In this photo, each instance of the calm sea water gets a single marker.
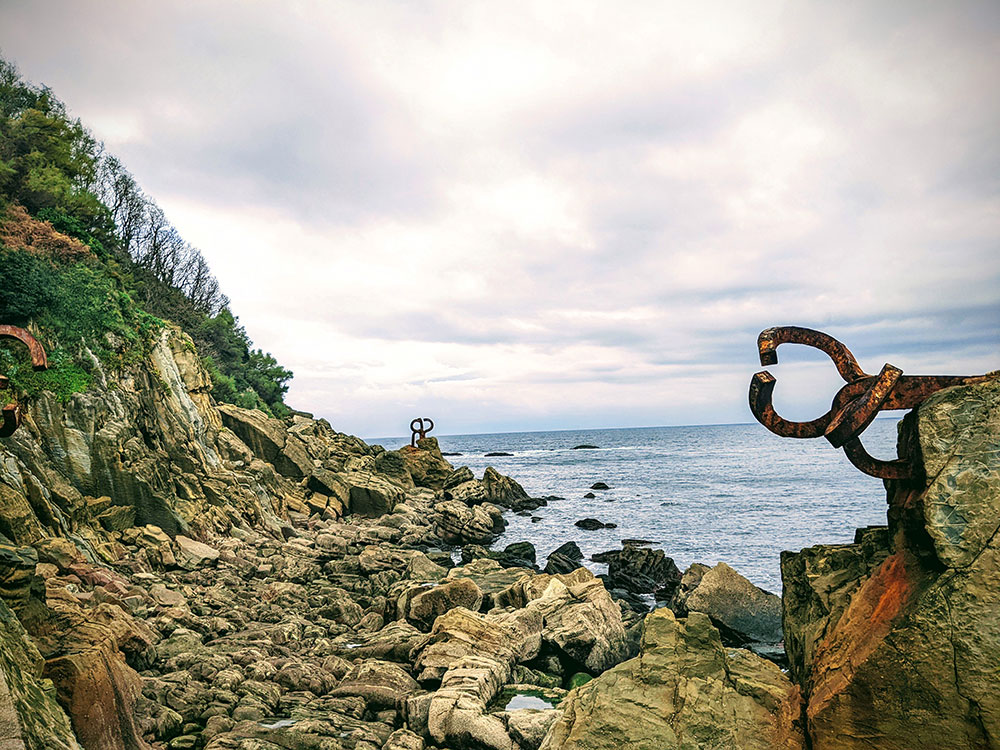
(732, 493)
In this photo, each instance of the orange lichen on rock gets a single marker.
(870, 617)
(19, 231)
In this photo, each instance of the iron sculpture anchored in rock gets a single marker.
(419, 430)
(12, 411)
(855, 405)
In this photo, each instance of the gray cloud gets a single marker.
(559, 216)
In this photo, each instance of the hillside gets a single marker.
(92, 265)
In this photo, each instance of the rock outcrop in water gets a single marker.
(895, 640)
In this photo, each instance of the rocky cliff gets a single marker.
(895, 639)
(181, 574)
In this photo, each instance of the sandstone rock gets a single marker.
(371, 495)
(425, 607)
(381, 684)
(471, 492)
(425, 464)
(500, 489)
(192, 554)
(910, 660)
(684, 690)
(743, 612)
(457, 523)
(404, 739)
(30, 717)
(528, 726)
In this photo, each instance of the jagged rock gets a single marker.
(372, 496)
(426, 605)
(684, 690)
(910, 660)
(394, 642)
(641, 570)
(470, 492)
(500, 489)
(579, 617)
(30, 717)
(456, 523)
(818, 584)
(461, 475)
(528, 726)
(557, 563)
(192, 554)
(268, 439)
(425, 464)
(460, 633)
(381, 684)
(743, 612)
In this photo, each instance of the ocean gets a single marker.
(731, 493)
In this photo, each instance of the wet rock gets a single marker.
(599, 486)
(494, 454)
(641, 570)
(584, 446)
(559, 563)
(684, 690)
(590, 495)
(592, 524)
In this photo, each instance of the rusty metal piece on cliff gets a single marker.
(12, 411)
(419, 430)
(854, 406)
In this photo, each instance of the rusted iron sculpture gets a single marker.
(12, 411)
(419, 430)
(854, 406)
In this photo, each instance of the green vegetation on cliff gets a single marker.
(93, 266)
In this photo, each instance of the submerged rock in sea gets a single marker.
(895, 639)
(684, 690)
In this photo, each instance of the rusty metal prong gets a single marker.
(761, 390)
(899, 468)
(857, 414)
(771, 338)
(11, 420)
(38, 359)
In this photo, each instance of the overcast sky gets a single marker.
(545, 215)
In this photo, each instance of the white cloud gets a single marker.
(559, 214)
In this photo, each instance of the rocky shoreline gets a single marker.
(180, 574)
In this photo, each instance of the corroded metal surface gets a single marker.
(12, 411)
(420, 427)
(855, 405)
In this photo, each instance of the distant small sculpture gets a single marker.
(419, 430)
(12, 411)
(854, 406)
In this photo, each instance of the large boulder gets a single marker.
(428, 603)
(268, 439)
(580, 619)
(500, 489)
(424, 463)
(743, 612)
(381, 684)
(898, 648)
(684, 690)
(641, 570)
(457, 523)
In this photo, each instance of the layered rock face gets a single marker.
(895, 640)
(684, 690)
(170, 567)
